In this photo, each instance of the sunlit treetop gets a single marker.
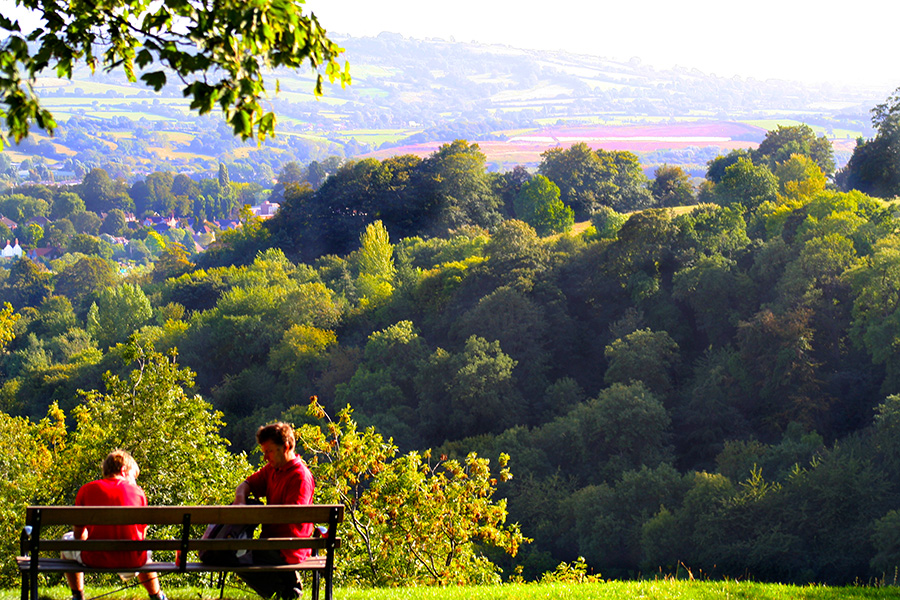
(219, 51)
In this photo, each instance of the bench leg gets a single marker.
(222, 577)
(315, 585)
(24, 586)
(329, 589)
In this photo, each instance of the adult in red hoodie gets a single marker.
(285, 479)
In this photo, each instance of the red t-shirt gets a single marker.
(291, 484)
(113, 491)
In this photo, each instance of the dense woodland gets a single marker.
(705, 377)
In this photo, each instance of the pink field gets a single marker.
(527, 148)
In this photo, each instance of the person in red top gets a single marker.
(117, 488)
(285, 479)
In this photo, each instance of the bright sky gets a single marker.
(849, 42)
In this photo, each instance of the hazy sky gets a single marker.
(847, 42)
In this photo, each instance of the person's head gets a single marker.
(120, 462)
(280, 434)
(277, 443)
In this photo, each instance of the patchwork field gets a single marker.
(527, 146)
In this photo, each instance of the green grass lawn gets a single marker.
(665, 589)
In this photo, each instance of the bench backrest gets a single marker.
(38, 517)
(175, 515)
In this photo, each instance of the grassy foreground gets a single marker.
(615, 590)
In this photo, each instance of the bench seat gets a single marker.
(61, 565)
(41, 555)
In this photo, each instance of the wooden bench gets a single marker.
(191, 521)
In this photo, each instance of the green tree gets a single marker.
(300, 350)
(455, 184)
(646, 356)
(26, 465)
(65, 204)
(876, 308)
(538, 204)
(718, 294)
(577, 173)
(518, 323)
(625, 187)
(409, 518)
(189, 42)
(173, 435)
(376, 264)
(59, 232)
(671, 187)
(86, 222)
(27, 285)
(101, 193)
(172, 262)
(8, 320)
(153, 193)
(785, 141)
(711, 229)
(22, 208)
(383, 386)
(588, 179)
(79, 281)
(117, 313)
(31, 235)
(55, 317)
(872, 169)
(114, 223)
(89, 245)
(607, 222)
(716, 167)
(800, 178)
(468, 393)
(514, 250)
(156, 243)
(624, 428)
(747, 184)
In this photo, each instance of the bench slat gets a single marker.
(60, 565)
(173, 544)
(173, 515)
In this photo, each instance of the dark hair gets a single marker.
(280, 434)
(117, 462)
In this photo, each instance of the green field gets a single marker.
(772, 124)
(375, 136)
(663, 589)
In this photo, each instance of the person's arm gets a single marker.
(80, 531)
(241, 493)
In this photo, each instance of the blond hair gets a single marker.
(119, 462)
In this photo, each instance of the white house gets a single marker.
(10, 251)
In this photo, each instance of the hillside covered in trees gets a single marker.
(702, 377)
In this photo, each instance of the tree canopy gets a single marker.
(220, 53)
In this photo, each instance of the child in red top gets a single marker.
(117, 488)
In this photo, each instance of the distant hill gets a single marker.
(411, 95)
